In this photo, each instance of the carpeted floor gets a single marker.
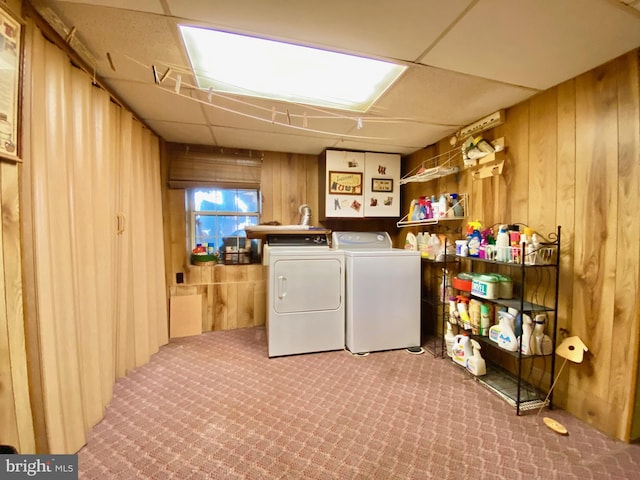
(215, 406)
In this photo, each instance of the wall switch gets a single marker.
(179, 277)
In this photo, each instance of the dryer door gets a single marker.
(306, 285)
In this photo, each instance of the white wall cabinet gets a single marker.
(359, 184)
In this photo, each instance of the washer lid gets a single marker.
(361, 241)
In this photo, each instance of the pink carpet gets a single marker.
(216, 407)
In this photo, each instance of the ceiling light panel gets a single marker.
(238, 64)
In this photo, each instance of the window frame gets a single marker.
(191, 211)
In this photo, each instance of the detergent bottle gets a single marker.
(474, 238)
(449, 339)
(485, 319)
(527, 343)
(474, 315)
(461, 305)
(502, 245)
(454, 315)
(461, 349)
(476, 364)
(503, 333)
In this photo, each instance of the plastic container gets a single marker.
(461, 349)
(485, 286)
(485, 319)
(462, 248)
(476, 364)
(505, 285)
(449, 339)
(463, 281)
(503, 249)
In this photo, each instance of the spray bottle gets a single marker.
(461, 305)
(449, 339)
(527, 344)
(503, 333)
(476, 364)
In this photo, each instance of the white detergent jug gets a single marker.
(461, 349)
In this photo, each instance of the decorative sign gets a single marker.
(10, 55)
(382, 185)
(345, 183)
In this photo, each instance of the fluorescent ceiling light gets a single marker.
(232, 63)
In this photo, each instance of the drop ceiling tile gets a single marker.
(151, 6)
(182, 132)
(433, 95)
(275, 142)
(151, 102)
(513, 42)
(130, 37)
(402, 29)
(259, 114)
(394, 137)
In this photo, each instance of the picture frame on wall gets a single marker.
(11, 40)
(345, 183)
(382, 185)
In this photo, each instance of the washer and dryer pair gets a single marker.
(361, 294)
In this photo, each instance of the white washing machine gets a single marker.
(306, 296)
(383, 292)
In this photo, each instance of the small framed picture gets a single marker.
(10, 78)
(345, 183)
(382, 185)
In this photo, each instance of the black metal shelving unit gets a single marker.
(434, 309)
(512, 387)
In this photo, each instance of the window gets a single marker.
(218, 216)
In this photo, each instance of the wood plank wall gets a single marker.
(234, 296)
(573, 159)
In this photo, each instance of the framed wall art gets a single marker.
(10, 84)
(345, 183)
(382, 185)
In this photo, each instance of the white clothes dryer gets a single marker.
(306, 299)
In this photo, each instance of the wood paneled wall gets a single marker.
(234, 296)
(573, 159)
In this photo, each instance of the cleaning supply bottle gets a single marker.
(428, 209)
(448, 339)
(435, 206)
(454, 315)
(442, 205)
(476, 364)
(502, 245)
(527, 344)
(485, 319)
(415, 210)
(538, 333)
(457, 207)
(461, 349)
(474, 237)
(461, 305)
(503, 334)
(474, 315)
